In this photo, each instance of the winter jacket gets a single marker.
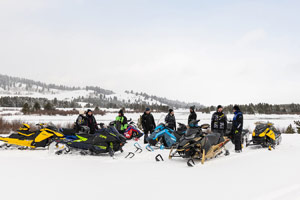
(192, 116)
(237, 123)
(80, 122)
(92, 123)
(171, 121)
(121, 123)
(219, 122)
(148, 122)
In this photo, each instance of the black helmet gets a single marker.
(121, 112)
(192, 107)
(89, 110)
(236, 107)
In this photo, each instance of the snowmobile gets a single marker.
(266, 135)
(196, 144)
(181, 130)
(245, 134)
(105, 140)
(24, 138)
(72, 133)
(133, 131)
(164, 137)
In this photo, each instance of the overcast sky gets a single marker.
(212, 52)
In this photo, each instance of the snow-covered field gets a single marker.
(256, 174)
(281, 121)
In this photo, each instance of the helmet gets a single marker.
(81, 112)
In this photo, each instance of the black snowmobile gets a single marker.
(266, 135)
(181, 130)
(105, 140)
(196, 144)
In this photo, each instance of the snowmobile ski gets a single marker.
(138, 148)
(130, 155)
(149, 148)
(190, 163)
(159, 158)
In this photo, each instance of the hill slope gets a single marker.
(93, 95)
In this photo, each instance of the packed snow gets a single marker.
(255, 174)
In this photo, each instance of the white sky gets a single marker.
(216, 52)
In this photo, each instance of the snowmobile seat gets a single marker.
(22, 134)
(68, 131)
(215, 138)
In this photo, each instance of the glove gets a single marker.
(236, 132)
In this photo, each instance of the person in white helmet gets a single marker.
(81, 121)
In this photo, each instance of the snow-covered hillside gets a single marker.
(38, 92)
(18, 87)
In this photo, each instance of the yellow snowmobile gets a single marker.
(24, 138)
(266, 135)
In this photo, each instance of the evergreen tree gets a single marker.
(48, 106)
(55, 102)
(36, 106)
(97, 108)
(25, 109)
(298, 126)
(290, 129)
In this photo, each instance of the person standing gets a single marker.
(237, 127)
(121, 122)
(148, 124)
(193, 115)
(91, 121)
(219, 121)
(170, 120)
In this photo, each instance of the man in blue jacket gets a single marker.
(237, 127)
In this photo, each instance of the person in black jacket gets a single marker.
(91, 121)
(148, 124)
(170, 120)
(219, 121)
(193, 115)
(237, 127)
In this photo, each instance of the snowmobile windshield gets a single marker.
(51, 126)
(260, 128)
(159, 128)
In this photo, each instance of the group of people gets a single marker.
(218, 123)
(87, 120)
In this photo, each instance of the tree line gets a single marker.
(260, 108)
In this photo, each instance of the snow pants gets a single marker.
(238, 141)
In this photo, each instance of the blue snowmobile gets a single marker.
(164, 137)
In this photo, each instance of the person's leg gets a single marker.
(238, 141)
(146, 136)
